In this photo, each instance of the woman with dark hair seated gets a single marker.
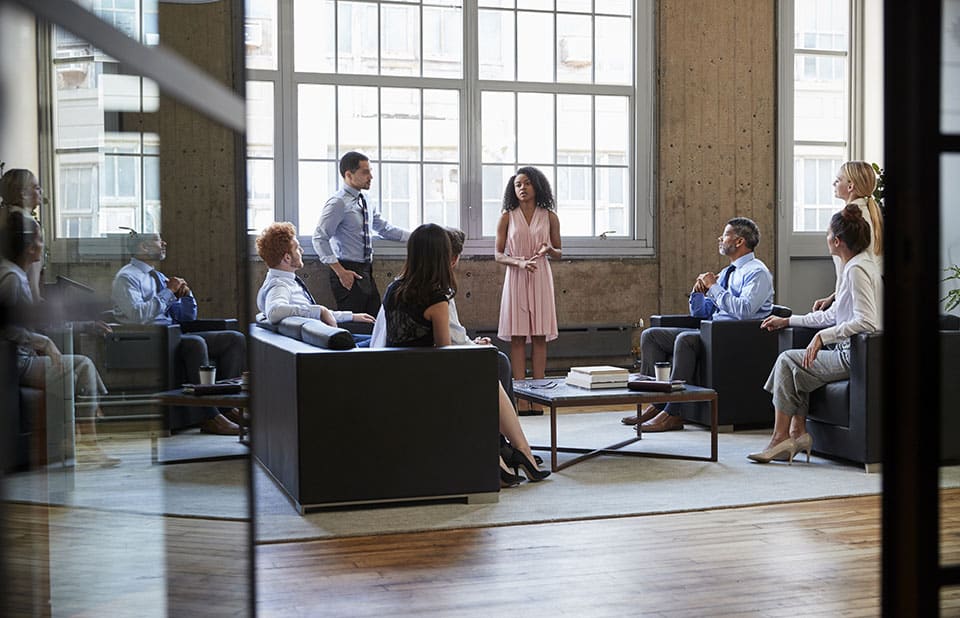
(858, 308)
(417, 313)
(39, 362)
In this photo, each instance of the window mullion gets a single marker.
(471, 171)
(286, 147)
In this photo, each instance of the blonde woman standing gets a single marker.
(855, 183)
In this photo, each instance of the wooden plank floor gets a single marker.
(819, 558)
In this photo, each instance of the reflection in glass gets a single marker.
(441, 125)
(613, 216)
(498, 127)
(400, 194)
(535, 128)
(442, 42)
(814, 169)
(950, 68)
(614, 7)
(574, 48)
(613, 124)
(315, 121)
(574, 194)
(441, 194)
(820, 98)
(534, 47)
(260, 33)
(260, 194)
(495, 179)
(313, 36)
(574, 129)
(821, 25)
(614, 51)
(495, 29)
(318, 181)
(949, 217)
(399, 40)
(357, 37)
(400, 124)
(259, 119)
(357, 120)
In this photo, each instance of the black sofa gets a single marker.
(845, 418)
(344, 427)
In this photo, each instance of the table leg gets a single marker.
(553, 438)
(714, 417)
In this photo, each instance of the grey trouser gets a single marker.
(680, 346)
(76, 374)
(791, 383)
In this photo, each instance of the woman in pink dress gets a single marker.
(527, 234)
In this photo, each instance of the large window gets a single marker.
(104, 176)
(447, 103)
(821, 107)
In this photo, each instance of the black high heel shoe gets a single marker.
(529, 469)
(506, 452)
(507, 479)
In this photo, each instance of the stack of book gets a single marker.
(598, 376)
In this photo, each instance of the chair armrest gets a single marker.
(796, 337)
(196, 326)
(675, 321)
(781, 311)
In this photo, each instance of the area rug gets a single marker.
(606, 486)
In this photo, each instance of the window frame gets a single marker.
(641, 110)
(810, 244)
(64, 249)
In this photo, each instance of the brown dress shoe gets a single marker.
(662, 422)
(235, 416)
(649, 411)
(219, 425)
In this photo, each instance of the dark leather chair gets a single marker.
(736, 360)
(144, 357)
(845, 417)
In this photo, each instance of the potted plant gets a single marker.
(952, 300)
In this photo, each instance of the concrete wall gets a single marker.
(716, 160)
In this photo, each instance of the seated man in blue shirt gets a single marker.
(143, 295)
(742, 291)
(283, 294)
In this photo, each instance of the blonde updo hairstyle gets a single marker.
(864, 180)
(13, 184)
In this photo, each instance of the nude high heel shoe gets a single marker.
(783, 449)
(804, 443)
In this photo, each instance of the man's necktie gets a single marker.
(367, 247)
(303, 286)
(157, 280)
(726, 276)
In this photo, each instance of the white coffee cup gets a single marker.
(208, 374)
(663, 371)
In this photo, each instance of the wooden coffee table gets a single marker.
(554, 393)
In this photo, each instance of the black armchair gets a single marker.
(845, 418)
(142, 359)
(736, 360)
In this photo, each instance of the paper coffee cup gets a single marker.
(208, 374)
(663, 371)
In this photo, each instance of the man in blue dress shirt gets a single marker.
(742, 291)
(343, 238)
(142, 294)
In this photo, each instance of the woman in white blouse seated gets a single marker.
(283, 294)
(857, 309)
